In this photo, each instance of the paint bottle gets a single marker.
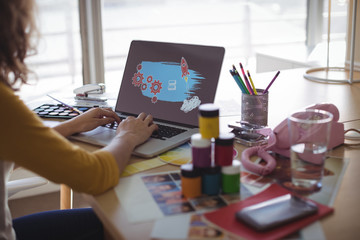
(230, 177)
(211, 180)
(201, 151)
(209, 120)
(190, 181)
(224, 148)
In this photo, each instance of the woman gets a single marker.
(24, 140)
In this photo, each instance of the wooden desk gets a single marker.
(290, 92)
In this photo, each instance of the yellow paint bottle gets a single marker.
(209, 120)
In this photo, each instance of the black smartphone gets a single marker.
(276, 212)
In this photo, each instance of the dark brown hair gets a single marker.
(17, 25)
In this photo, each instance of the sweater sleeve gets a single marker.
(27, 142)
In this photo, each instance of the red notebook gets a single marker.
(225, 217)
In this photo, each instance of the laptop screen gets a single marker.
(169, 80)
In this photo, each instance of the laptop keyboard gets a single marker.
(162, 133)
(166, 132)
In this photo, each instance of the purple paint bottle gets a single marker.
(201, 151)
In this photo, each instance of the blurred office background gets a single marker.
(254, 32)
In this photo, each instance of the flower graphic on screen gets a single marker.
(169, 82)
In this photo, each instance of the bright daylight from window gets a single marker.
(241, 26)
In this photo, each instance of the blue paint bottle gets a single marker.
(211, 180)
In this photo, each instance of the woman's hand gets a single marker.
(130, 133)
(137, 130)
(87, 121)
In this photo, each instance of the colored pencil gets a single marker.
(272, 81)
(66, 105)
(252, 83)
(246, 80)
(237, 81)
(240, 79)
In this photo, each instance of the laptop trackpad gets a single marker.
(99, 134)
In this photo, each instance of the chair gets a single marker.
(16, 186)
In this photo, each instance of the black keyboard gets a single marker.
(162, 133)
(166, 132)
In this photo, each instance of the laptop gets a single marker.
(168, 81)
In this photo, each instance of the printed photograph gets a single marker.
(208, 203)
(171, 209)
(201, 230)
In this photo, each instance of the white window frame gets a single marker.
(91, 41)
(314, 18)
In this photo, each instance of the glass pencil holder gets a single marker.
(254, 108)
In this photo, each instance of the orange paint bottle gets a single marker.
(190, 181)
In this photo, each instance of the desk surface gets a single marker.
(290, 92)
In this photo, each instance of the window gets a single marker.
(338, 19)
(240, 26)
(58, 61)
